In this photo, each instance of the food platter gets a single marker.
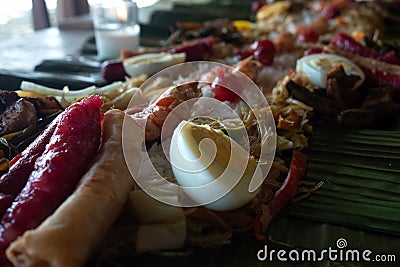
(350, 192)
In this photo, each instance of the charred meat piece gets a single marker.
(356, 117)
(45, 105)
(375, 96)
(378, 108)
(338, 84)
(22, 121)
(382, 114)
(17, 116)
(6, 99)
(325, 107)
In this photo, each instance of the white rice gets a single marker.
(270, 75)
(155, 163)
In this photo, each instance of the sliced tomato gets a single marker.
(227, 86)
(224, 94)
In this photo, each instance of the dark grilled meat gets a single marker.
(378, 108)
(45, 105)
(324, 106)
(17, 116)
(338, 85)
(6, 99)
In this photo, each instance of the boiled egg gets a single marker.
(315, 68)
(212, 169)
(151, 63)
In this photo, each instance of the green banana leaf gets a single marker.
(362, 173)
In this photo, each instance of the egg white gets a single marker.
(205, 179)
(314, 68)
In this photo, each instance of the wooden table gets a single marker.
(25, 52)
(19, 56)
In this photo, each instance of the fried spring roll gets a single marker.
(72, 233)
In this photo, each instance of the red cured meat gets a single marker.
(56, 172)
(347, 43)
(12, 182)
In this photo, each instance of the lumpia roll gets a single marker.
(69, 236)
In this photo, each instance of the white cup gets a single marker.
(116, 28)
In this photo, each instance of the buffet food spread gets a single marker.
(67, 192)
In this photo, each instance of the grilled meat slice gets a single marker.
(17, 116)
(325, 107)
(45, 105)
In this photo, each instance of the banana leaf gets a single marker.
(362, 188)
(359, 201)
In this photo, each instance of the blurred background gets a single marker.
(19, 17)
(16, 17)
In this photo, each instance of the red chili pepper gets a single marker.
(287, 191)
(56, 172)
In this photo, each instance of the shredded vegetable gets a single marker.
(117, 93)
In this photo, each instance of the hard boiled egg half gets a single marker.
(212, 168)
(315, 68)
